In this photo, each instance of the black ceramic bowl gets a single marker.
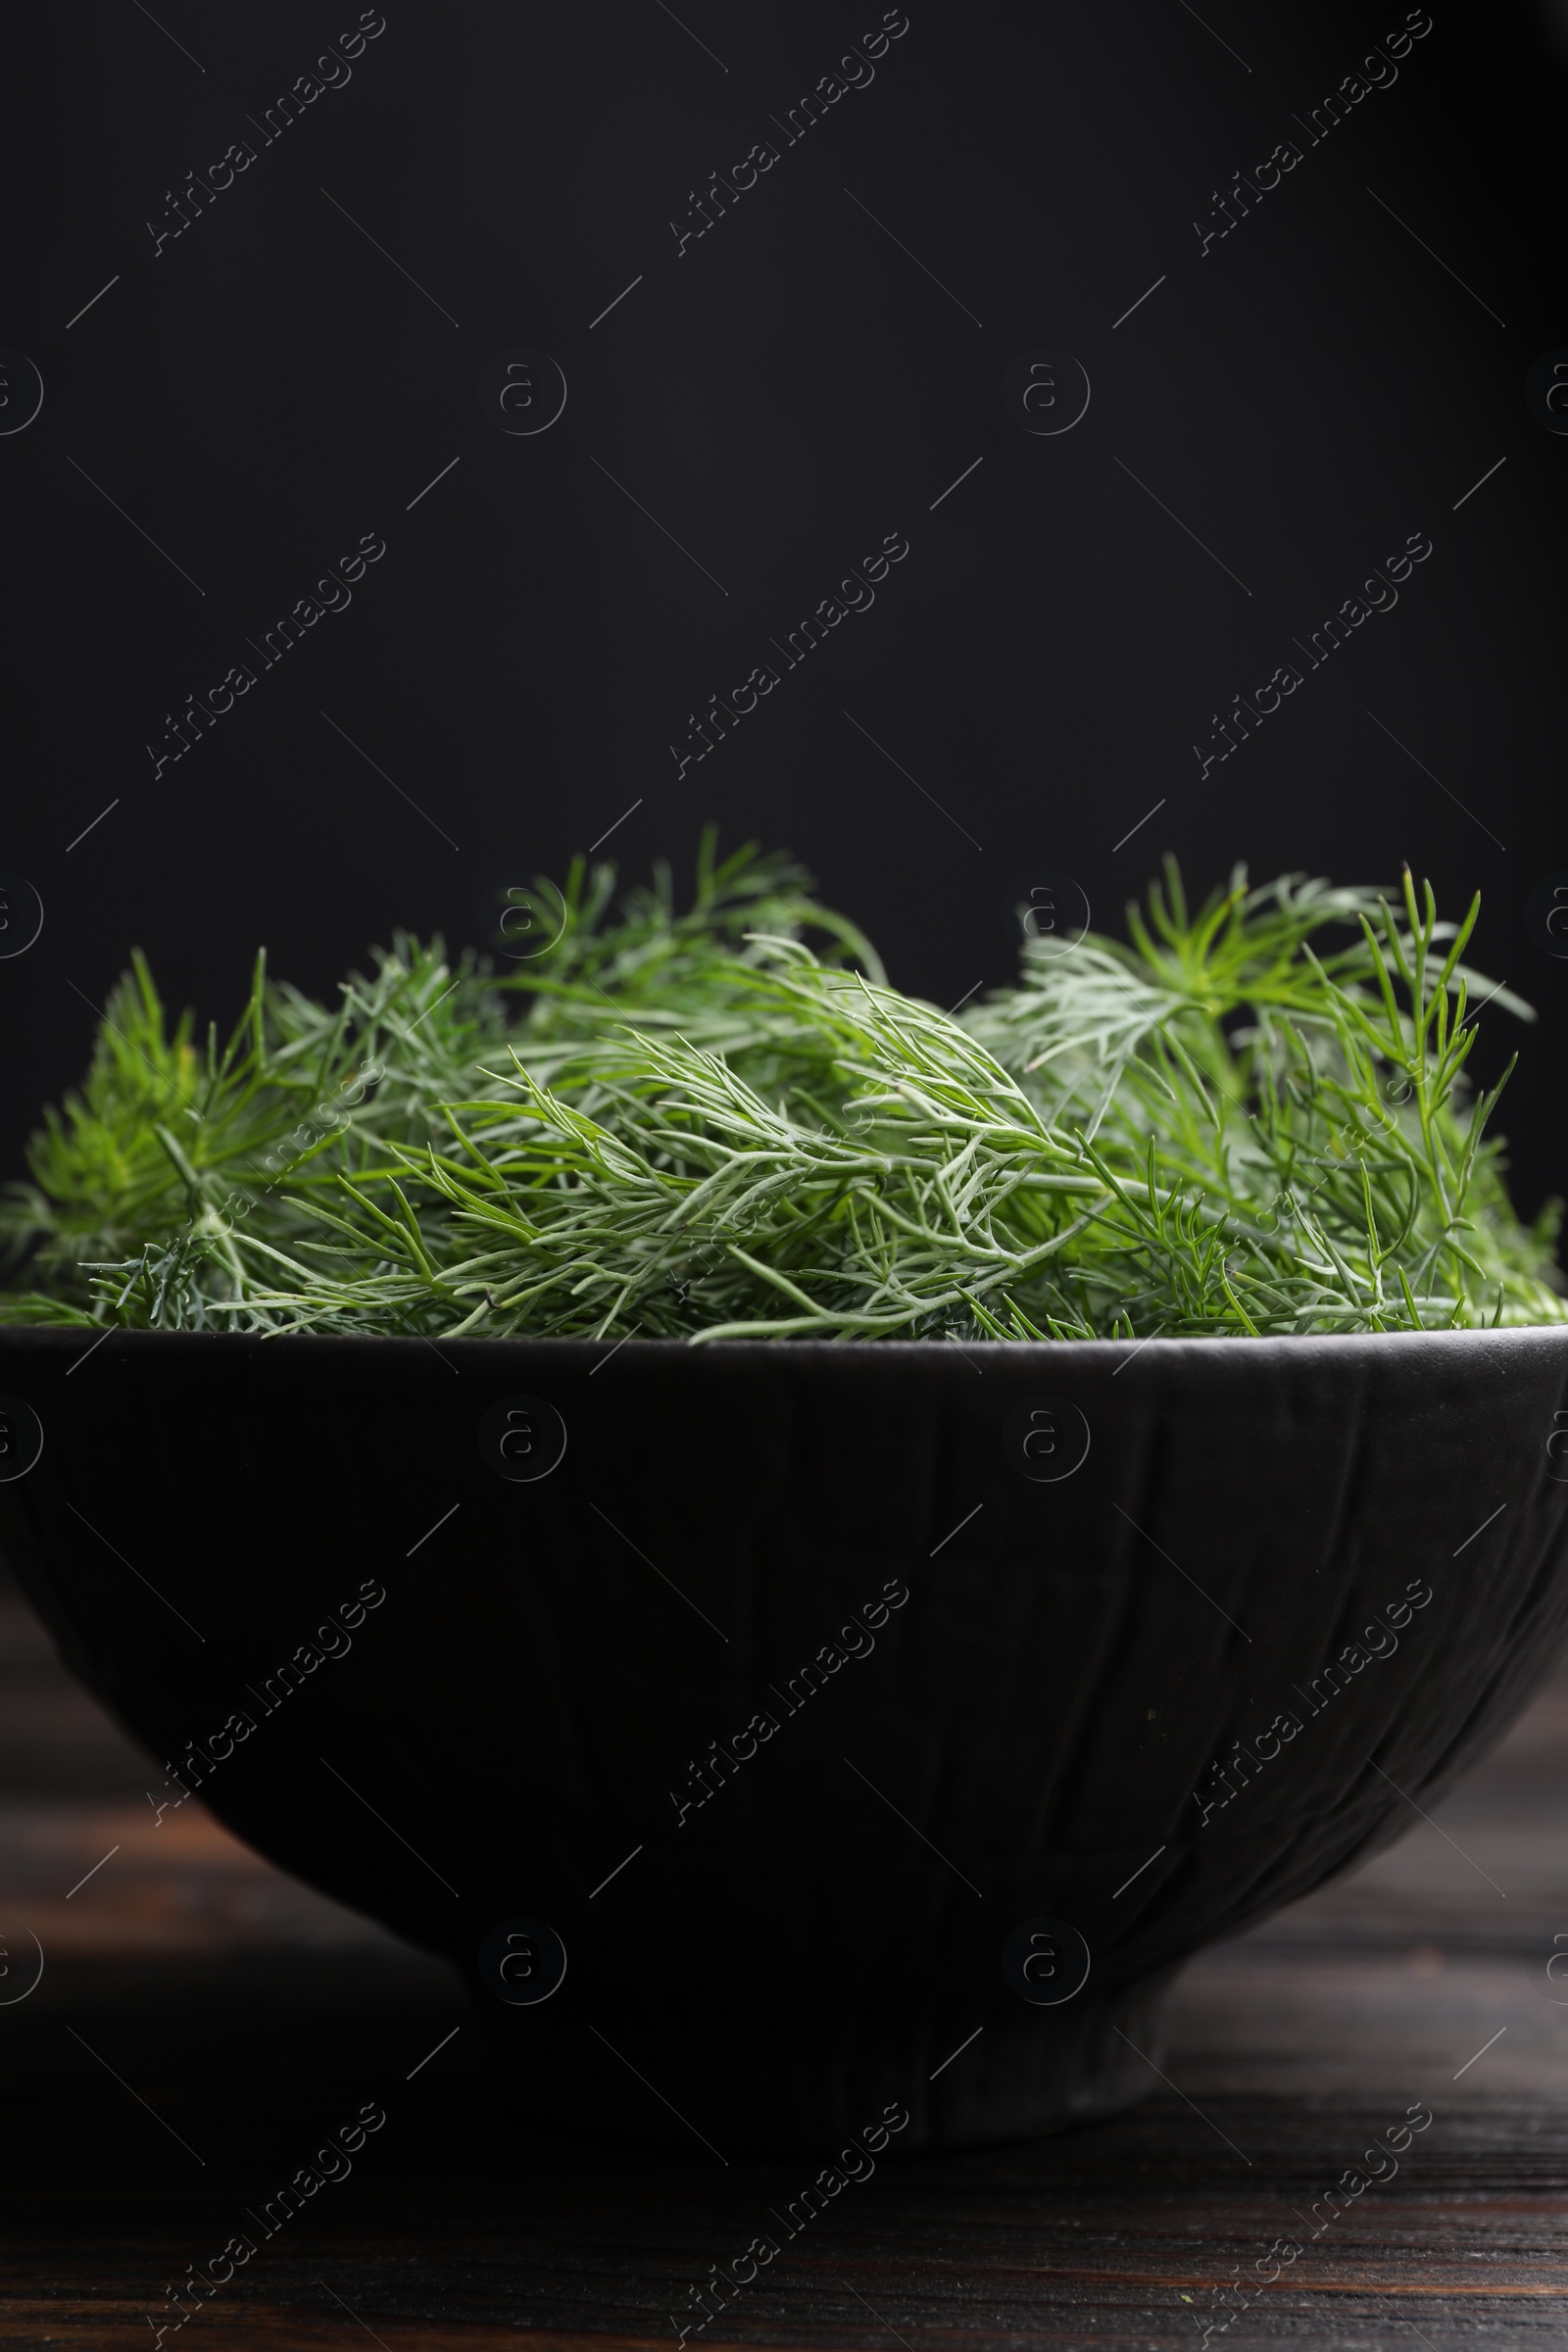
(822, 1710)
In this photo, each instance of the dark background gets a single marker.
(780, 396)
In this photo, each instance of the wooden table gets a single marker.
(202, 2023)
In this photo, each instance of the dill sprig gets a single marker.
(1249, 1118)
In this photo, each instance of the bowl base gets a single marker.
(1027, 2074)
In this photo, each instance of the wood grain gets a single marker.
(201, 2024)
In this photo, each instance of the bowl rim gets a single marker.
(1164, 1347)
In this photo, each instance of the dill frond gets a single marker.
(1249, 1118)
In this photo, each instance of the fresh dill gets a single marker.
(1248, 1118)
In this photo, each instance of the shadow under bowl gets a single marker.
(867, 1730)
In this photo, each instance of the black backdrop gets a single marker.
(749, 415)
